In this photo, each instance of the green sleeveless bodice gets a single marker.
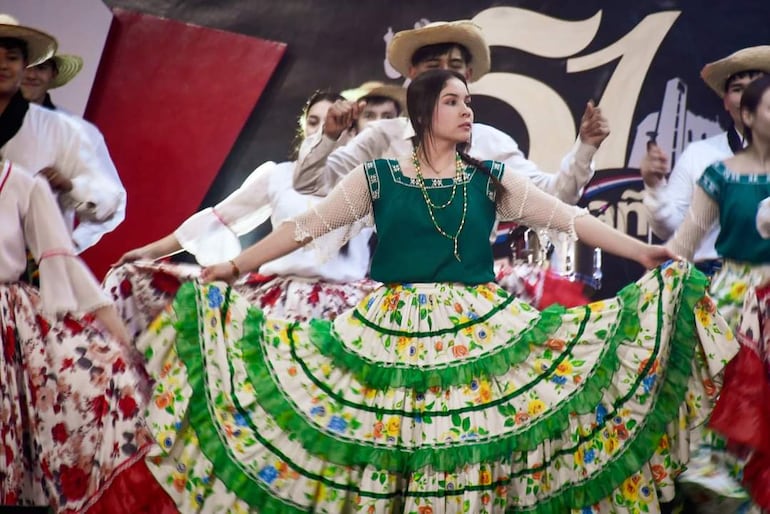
(410, 248)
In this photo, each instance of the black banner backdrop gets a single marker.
(640, 60)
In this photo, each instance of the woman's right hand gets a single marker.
(144, 252)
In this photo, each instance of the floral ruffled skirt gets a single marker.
(143, 289)
(72, 433)
(434, 398)
(742, 413)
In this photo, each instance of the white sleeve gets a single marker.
(667, 204)
(66, 284)
(567, 184)
(211, 235)
(323, 162)
(701, 215)
(97, 195)
(88, 232)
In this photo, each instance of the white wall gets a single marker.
(81, 28)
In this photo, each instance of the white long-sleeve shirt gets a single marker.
(667, 204)
(51, 139)
(211, 235)
(323, 162)
(31, 219)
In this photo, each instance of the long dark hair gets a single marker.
(421, 100)
(299, 136)
(751, 98)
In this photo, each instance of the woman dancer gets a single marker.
(319, 282)
(71, 424)
(438, 392)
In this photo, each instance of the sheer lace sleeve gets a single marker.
(704, 211)
(339, 217)
(523, 202)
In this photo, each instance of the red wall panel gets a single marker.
(171, 99)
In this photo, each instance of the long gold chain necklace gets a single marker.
(459, 177)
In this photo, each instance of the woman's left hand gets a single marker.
(655, 255)
(222, 271)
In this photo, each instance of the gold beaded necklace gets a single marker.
(459, 177)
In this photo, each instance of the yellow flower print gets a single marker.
(326, 369)
(611, 444)
(564, 368)
(541, 365)
(485, 477)
(704, 318)
(578, 456)
(535, 407)
(596, 306)
(402, 343)
(485, 292)
(485, 393)
(394, 426)
(630, 487)
(737, 290)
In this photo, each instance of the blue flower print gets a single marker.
(558, 379)
(601, 413)
(589, 456)
(318, 411)
(240, 420)
(215, 297)
(649, 382)
(422, 298)
(268, 474)
(337, 424)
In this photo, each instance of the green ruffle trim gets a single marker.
(597, 487)
(379, 375)
(209, 438)
(672, 394)
(347, 452)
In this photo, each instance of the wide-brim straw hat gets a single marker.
(716, 73)
(376, 88)
(40, 46)
(463, 32)
(68, 67)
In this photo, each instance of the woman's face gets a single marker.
(315, 118)
(453, 116)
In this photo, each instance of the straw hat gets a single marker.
(376, 88)
(40, 46)
(464, 32)
(716, 73)
(68, 65)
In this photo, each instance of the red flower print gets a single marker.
(9, 343)
(126, 288)
(119, 366)
(100, 406)
(271, 296)
(43, 324)
(165, 282)
(59, 433)
(73, 325)
(555, 344)
(658, 472)
(711, 389)
(127, 406)
(8, 454)
(74, 482)
(314, 296)
(67, 364)
(425, 509)
(460, 350)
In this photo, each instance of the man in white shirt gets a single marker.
(38, 81)
(459, 46)
(667, 198)
(49, 143)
